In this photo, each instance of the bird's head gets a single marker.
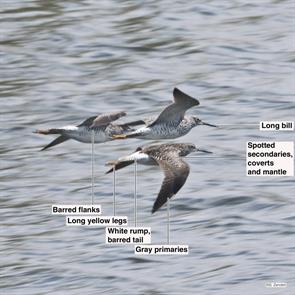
(187, 148)
(139, 149)
(191, 148)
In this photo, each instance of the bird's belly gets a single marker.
(86, 136)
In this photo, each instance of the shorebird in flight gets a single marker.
(168, 157)
(102, 125)
(171, 123)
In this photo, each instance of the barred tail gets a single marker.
(118, 165)
(49, 131)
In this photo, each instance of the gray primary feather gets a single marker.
(175, 178)
(175, 170)
(106, 119)
(88, 122)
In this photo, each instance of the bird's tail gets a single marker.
(118, 165)
(49, 131)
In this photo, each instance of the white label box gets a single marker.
(270, 158)
(276, 126)
(161, 249)
(76, 209)
(96, 221)
(128, 235)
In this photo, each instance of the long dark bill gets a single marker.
(204, 151)
(207, 124)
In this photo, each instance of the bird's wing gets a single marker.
(176, 172)
(145, 121)
(88, 122)
(175, 111)
(103, 119)
(106, 119)
(184, 99)
(57, 141)
(133, 123)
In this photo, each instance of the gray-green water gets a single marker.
(62, 61)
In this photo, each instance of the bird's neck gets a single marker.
(190, 121)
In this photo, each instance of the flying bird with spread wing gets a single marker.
(102, 125)
(171, 123)
(169, 158)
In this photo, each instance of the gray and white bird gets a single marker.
(102, 125)
(168, 157)
(171, 123)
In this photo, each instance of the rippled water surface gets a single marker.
(62, 61)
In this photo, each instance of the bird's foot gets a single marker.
(119, 136)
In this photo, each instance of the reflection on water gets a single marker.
(62, 61)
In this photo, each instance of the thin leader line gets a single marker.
(114, 191)
(92, 167)
(216, 157)
(135, 193)
(237, 124)
(168, 221)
